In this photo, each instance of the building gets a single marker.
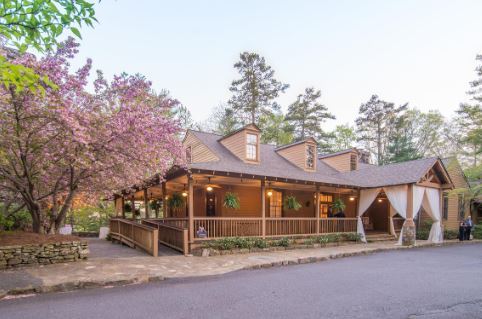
(266, 181)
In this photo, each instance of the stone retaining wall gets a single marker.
(52, 253)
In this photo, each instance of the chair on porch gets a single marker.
(367, 223)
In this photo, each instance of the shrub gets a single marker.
(422, 234)
(352, 236)
(283, 242)
(451, 234)
(260, 243)
(477, 232)
(21, 220)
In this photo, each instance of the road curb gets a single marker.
(87, 284)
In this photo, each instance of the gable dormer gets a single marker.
(302, 154)
(244, 143)
(196, 151)
(342, 161)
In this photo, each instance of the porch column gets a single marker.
(408, 230)
(146, 203)
(263, 208)
(164, 201)
(133, 207)
(123, 208)
(317, 209)
(190, 194)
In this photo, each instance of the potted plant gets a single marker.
(291, 202)
(338, 206)
(231, 200)
(155, 205)
(175, 202)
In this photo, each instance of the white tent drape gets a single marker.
(393, 212)
(397, 196)
(418, 193)
(367, 196)
(431, 204)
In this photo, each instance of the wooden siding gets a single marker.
(458, 179)
(236, 144)
(296, 154)
(340, 162)
(199, 151)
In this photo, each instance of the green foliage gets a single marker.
(39, 23)
(231, 200)
(332, 238)
(451, 234)
(175, 201)
(155, 204)
(477, 231)
(254, 92)
(127, 207)
(291, 202)
(275, 129)
(344, 137)
(474, 173)
(283, 242)
(91, 218)
(422, 234)
(306, 115)
(20, 220)
(338, 205)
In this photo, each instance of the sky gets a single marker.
(421, 52)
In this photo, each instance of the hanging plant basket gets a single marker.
(231, 200)
(155, 204)
(175, 201)
(127, 207)
(291, 202)
(338, 205)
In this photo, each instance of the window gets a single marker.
(445, 206)
(353, 162)
(461, 202)
(325, 202)
(275, 204)
(252, 147)
(189, 154)
(310, 156)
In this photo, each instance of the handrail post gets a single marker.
(191, 208)
(146, 203)
(263, 209)
(155, 243)
(317, 210)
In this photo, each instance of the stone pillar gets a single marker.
(408, 230)
(146, 203)
(190, 194)
(317, 209)
(263, 208)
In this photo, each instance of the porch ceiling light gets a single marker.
(380, 200)
(352, 198)
(184, 194)
(209, 188)
(269, 193)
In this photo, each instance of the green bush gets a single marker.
(91, 218)
(477, 231)
(21, 220)
(283, 242)
(451, 234)
(422, 234)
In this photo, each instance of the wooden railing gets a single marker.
(176, 222)
(218, 227)
(284, 226)
(338, 225)
(171, 236)
(135, 235)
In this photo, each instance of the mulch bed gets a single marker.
(25, 238)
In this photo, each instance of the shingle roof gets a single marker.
(391, 174)
(337, 153)
(273, 165)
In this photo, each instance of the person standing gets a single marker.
(468, 227)
(462, 231)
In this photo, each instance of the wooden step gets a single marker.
(380, 237)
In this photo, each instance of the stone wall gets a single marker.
(51, 253)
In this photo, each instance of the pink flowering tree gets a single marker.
(66, 140)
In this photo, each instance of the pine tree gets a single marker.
(254, 93)
(375, 126)
(469, 119)
(276, 130)
(306, 115)
(343, 137)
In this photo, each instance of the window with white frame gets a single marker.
(252, 146)
(310, 156)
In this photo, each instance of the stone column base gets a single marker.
(408, 233)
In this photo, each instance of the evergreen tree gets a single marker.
(469, 119)
(183, 116)
(375, 126)
(401, 146)
(343, 137)
(276, 130)
(306, 115)
(254, 93)
(222, 120)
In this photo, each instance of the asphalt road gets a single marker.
(418, 283)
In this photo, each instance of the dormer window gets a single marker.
(189, 154)
(310, 156)
(251, 147)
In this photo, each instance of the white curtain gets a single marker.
(367, 196)
(431, 204)
(397, 196)
(393, 212)
(418, 194)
